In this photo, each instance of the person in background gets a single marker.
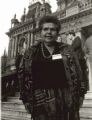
(51, 76)
(76, 44)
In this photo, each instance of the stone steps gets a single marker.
(14, 109)
(10, 113)
(13, 105)
(87, 101)
(86, 110)
(10, 117)
(86, 117)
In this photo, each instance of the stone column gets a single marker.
(89, 63)
(9, 48)
(15, 46)
(88, 46)
(12, 50)
(28, 43)
(89, 93)
(14, 39)
(32, 38)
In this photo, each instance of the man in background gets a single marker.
(76, 44)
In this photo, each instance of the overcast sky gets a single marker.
(7, 10)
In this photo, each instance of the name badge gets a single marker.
(57, 56)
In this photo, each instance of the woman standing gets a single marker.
(50, 76)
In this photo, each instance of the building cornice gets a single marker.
(76, 21)
(21, 27)
(75, 16)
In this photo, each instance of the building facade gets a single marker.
(73, 15)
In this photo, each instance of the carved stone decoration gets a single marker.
(71, 25)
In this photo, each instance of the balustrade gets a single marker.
(85, 6)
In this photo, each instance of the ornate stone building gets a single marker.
(22, 35)
(73, 14)
(76, 15)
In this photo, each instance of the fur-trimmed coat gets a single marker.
(76, 83)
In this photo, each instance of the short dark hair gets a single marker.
(72, 32)
(48, 19)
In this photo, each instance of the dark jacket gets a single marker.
(73, 73)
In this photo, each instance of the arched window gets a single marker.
(22, 46)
